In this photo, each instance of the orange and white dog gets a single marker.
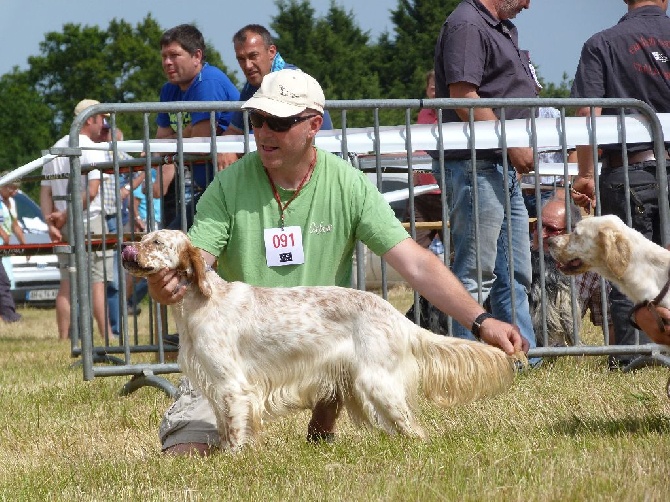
(260, 353)
(638, 267)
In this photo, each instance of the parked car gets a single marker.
(395, 187)
(36, 278)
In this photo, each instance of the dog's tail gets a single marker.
(456, 371)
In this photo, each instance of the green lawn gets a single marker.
(570, 430)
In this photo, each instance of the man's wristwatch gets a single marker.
(477, 324)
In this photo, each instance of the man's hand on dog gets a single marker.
(647, 321)
(503, 335)
(165, 288)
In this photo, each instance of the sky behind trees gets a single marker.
(552, 30)
(107, 53)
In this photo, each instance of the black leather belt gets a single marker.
(483, 155)
(615, 159)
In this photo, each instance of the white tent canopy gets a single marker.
(487, 135)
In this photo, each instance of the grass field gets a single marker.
(569, 430)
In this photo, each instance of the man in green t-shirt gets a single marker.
(289, 215)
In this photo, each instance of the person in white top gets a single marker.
(9, 224)
(54, 211)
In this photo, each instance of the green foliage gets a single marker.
(409, 54)
(26, 126)
(333, 49)
(570, 430)
(404, 57)
(28, 118)
(121, 64)
(551, 90)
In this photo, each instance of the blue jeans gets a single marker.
(7, 307)
(494, 250)
(113, 283)
(140, 291)
(176, 223)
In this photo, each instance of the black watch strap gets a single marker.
(477, 324)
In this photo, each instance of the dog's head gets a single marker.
(599, 243)
(169, 249)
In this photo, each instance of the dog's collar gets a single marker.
(651, 306)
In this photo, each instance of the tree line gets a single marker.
(121, 64)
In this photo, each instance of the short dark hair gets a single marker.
(186, 35)
(242, 34)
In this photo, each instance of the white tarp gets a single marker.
(487, 135)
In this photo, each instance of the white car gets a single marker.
(395, 187)
(36, 278)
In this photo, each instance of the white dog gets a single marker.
(260, 353)
(605, 244)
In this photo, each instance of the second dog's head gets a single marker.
(598, 243)
(169, 249)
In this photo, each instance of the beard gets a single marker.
(509, 9)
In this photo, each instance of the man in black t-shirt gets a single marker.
(477, 56)
(628, 60)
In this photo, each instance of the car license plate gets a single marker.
(39, 295)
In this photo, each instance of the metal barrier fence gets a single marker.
(141, 352)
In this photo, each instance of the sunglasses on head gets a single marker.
(276, 124)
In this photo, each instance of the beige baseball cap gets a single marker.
(285, 93)
(86, 103)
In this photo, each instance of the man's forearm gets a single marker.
(90, 193)
(480, 114)
(46, 202)
(165, 133)
(424, 272)
(585, 160)
(465, 90)
(202, 129)
(18, 231)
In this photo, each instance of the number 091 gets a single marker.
(282, 240)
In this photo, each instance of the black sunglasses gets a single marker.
(276, 124)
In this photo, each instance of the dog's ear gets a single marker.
(194, 265)
(616, 250)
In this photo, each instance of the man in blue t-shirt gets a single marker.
(257, 56)
(190, 78)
